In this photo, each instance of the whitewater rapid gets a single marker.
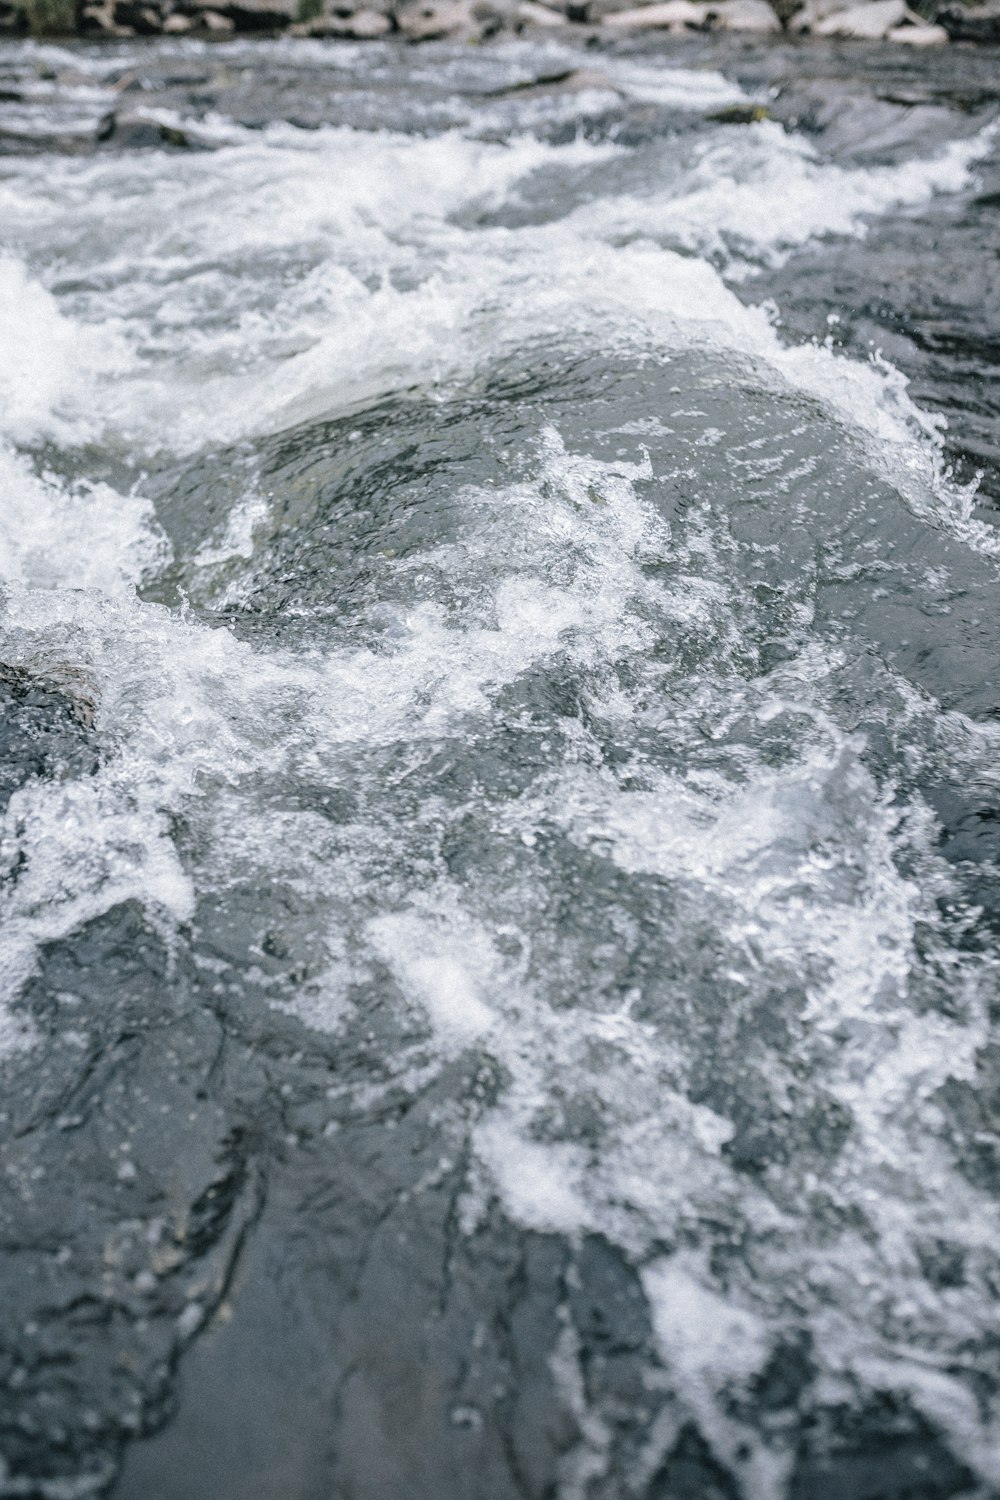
(484, 611)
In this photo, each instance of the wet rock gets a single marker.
(804, 20)
(533, 14)
(667, 15)
(182, 1172)
(972, 23)
(918, 36)
(427, 20)
(852, 1456)
(44, 732)
(363, 25)
(144, 19)
(973, 1113)
(591, 12)
(99, 20)
(740, 114)
(135, 132)
(561, 81)
(116, 1245)
(689, 15)
(241, 15)
(259, 15)
(492, 17)
(372, 1375)
(855, 125)
(692, 1473)
(354, 25)
(868, 22)
(743, 15)
(434, 20)
(784, 1380)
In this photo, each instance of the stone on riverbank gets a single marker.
(684, 15)
(918, 36)
(434, 20)
(972, 23)
(743, 15)
(479, 20)
(534, 14)
(352, 26)
(869, 21)
(244, 15)
(667, 15)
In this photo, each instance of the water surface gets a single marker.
(500, 854)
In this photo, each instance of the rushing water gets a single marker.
(499, 872)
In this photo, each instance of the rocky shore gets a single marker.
(478, 20)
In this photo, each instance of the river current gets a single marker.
(502, 773)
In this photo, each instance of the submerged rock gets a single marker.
(44, 729)
(740, 114)
(135, 131)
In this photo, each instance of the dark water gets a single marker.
(502, 814)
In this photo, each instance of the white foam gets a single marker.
(711, 1341)
(49, 360)
(396, 286)
(445, 970)
(796, 868)
(86, 537)
(540, 1184)
(291, 275)
(763, 192)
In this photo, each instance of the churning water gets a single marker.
(503, 762)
